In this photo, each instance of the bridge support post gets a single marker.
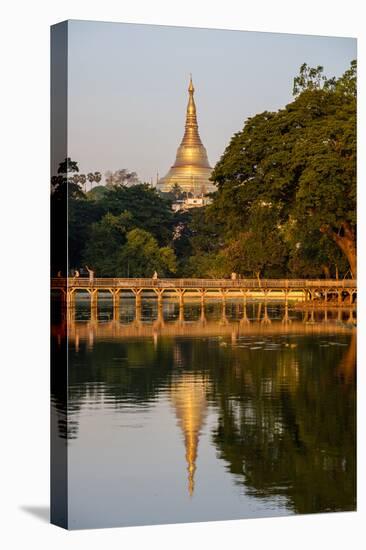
(159, 294)
(203, 293)
(137, 292)
(180, 293)
(116, 304)
(266, 320)
(70, 314)
(223, 297)
(160, 318)
(181, 311)
(137, 315)
(223, 315)
(202, 296)
(286, 318)
(93, 298)
(244, 319)
(115, 298)
(259, 311)
(351, 318)
(203, 313)
(93, 304)
(70, 298)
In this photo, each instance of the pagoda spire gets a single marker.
(191, 136)
(191, 169)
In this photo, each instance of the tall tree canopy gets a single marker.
(299, 161)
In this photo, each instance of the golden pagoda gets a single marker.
(188, 396)
(191, 170)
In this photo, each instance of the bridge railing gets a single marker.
(255, 284)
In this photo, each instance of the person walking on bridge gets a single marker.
(76, 275)
(91, 274)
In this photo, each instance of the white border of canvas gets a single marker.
(24, 271)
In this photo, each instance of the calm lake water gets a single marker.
(221, 413)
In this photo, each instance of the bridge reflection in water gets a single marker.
(197, 319)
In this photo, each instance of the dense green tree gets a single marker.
(82, 214)
(301, 160)
(314, 257)
(141, 256)
(104, 244)
(97, 193)
(197, 243)
(148, 210)
(260, 250)
(98, 223)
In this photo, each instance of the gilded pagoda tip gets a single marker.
(191, 170)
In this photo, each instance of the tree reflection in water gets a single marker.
(287, 427)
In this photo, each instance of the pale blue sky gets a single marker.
(128, 87)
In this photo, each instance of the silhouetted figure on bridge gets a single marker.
(91, 274)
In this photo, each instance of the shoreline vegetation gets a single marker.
(285, 205)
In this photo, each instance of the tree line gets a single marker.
(285, 204)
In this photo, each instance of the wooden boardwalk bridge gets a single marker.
(341, 291)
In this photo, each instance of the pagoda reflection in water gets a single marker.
(188, 396)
